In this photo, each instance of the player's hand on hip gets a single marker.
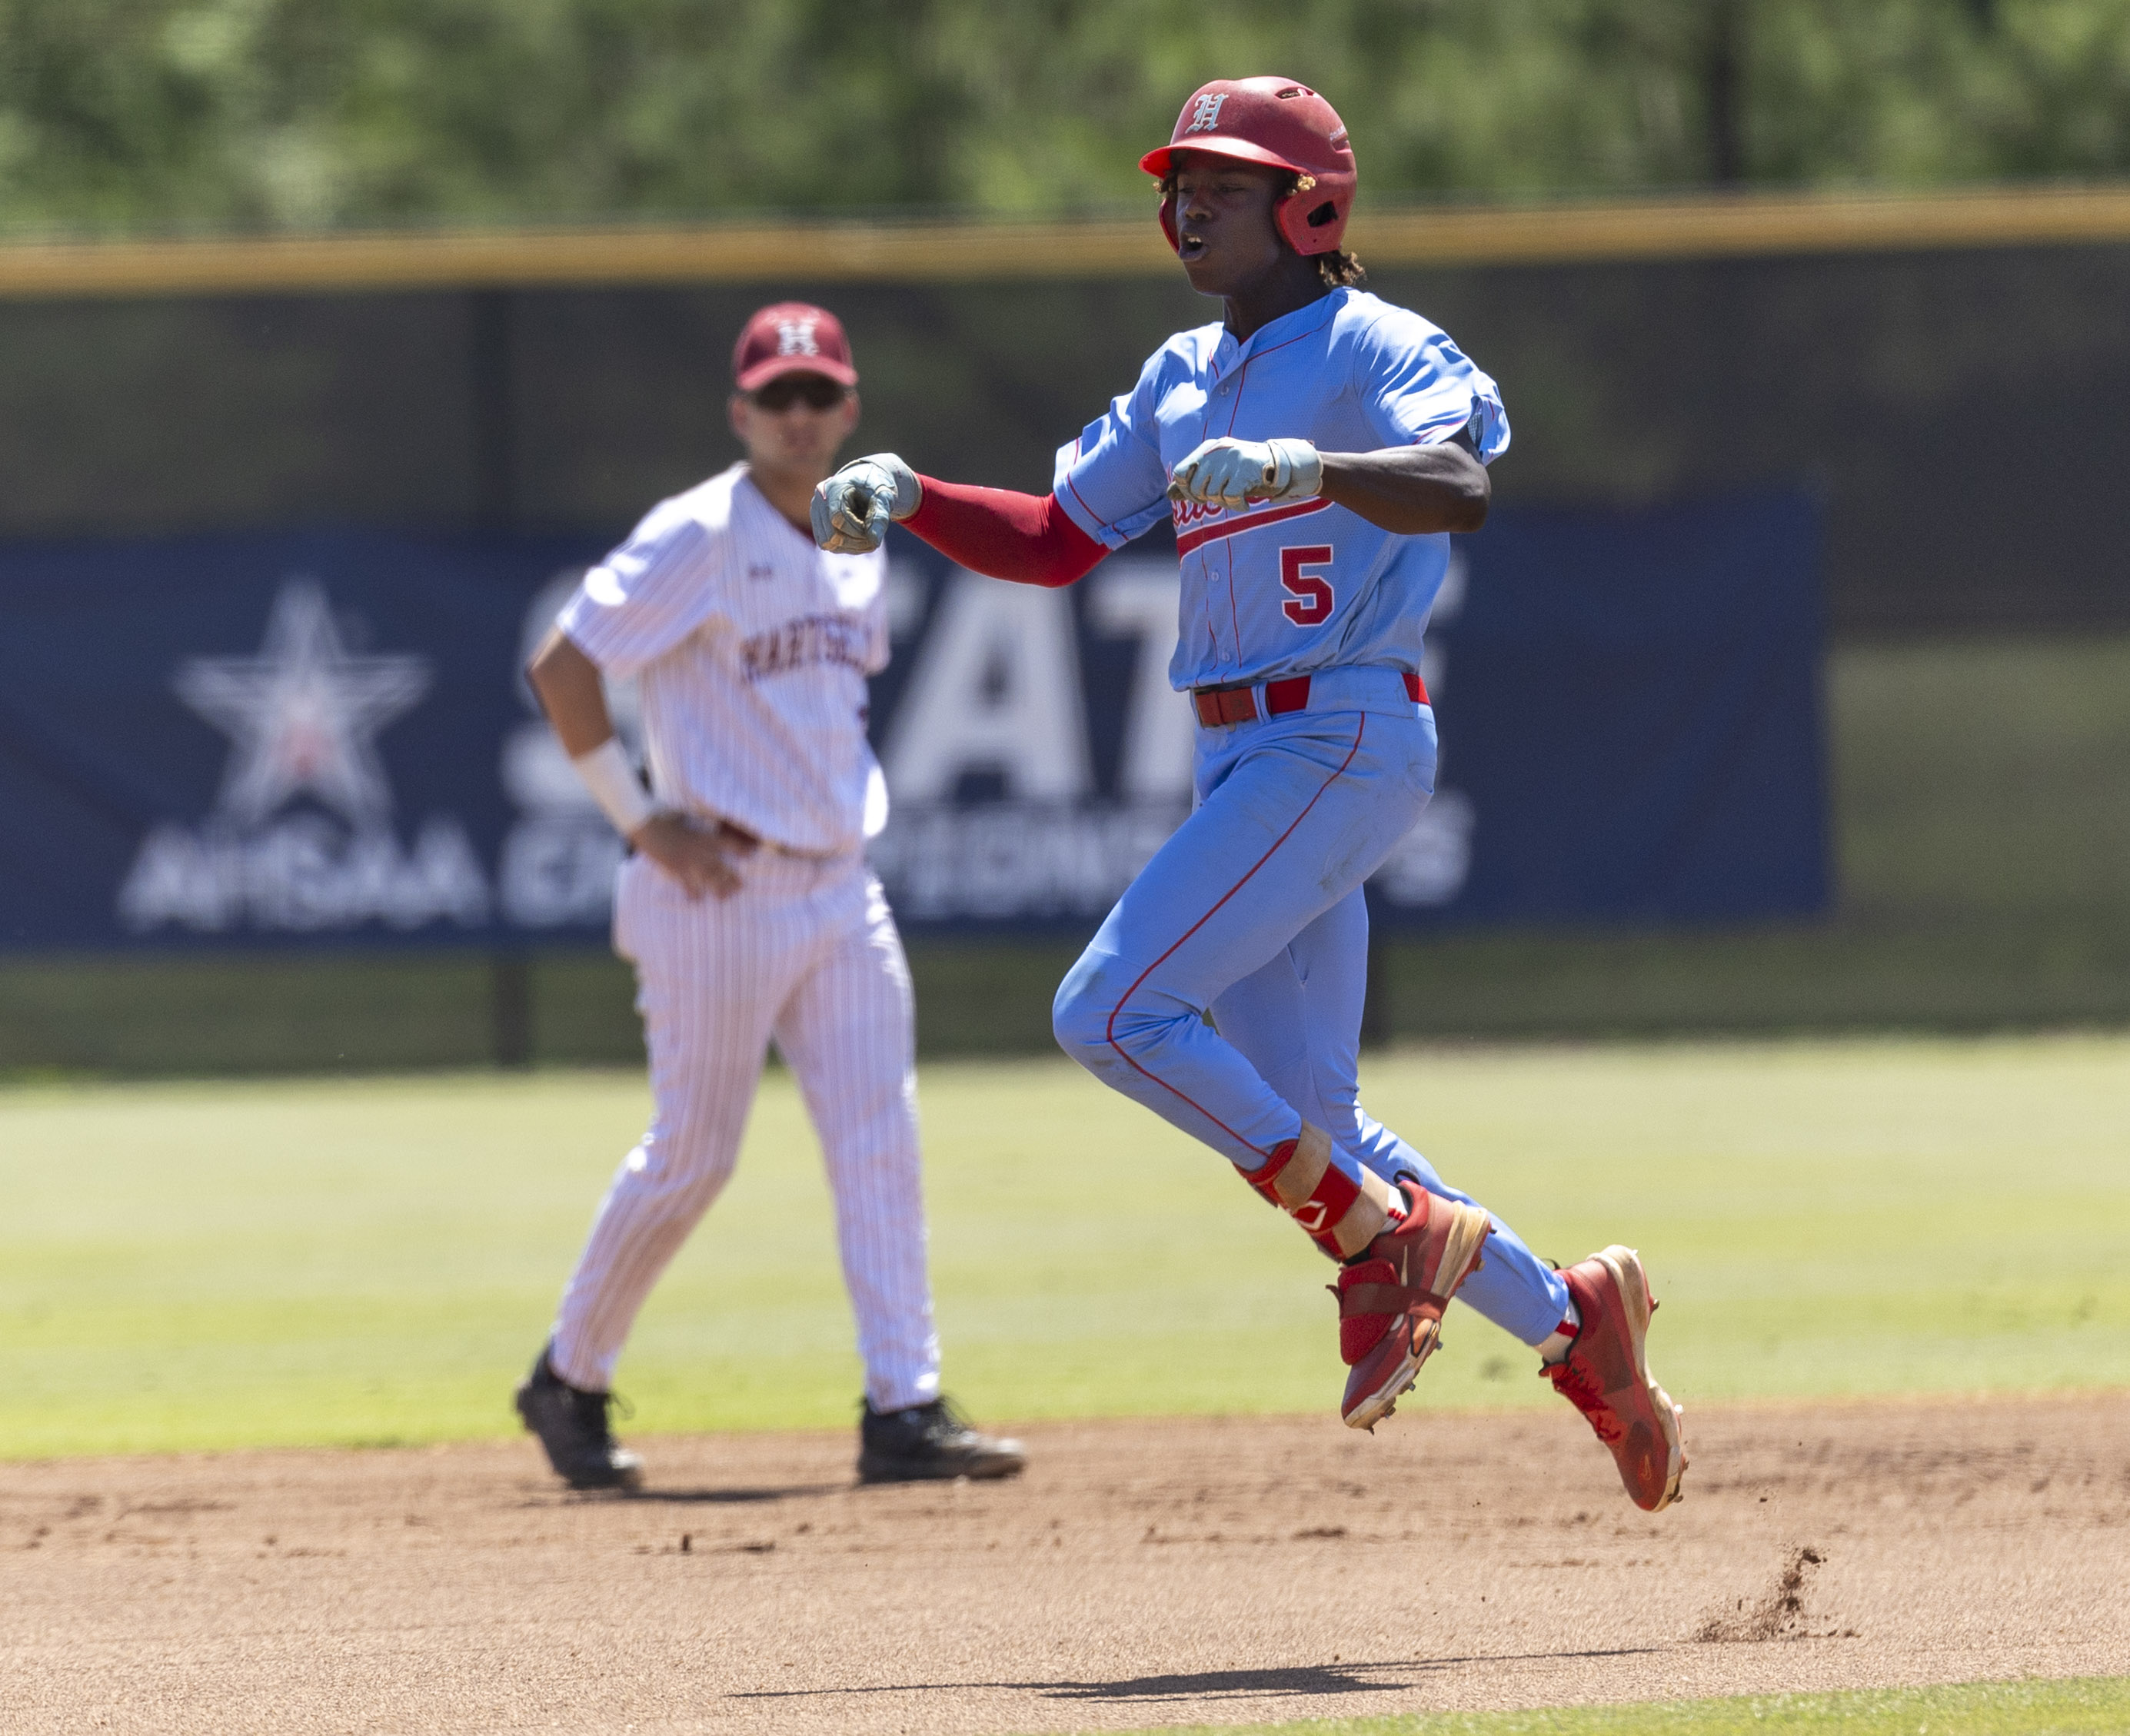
(700, 857)
(1233, 473)
(851, 510)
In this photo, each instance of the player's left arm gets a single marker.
(1437, 418)
(1415, 490)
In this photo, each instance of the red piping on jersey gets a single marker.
(1027, 538)
(1101, 523)
(1235, 409)
(1205, 534)
(1109, 1029)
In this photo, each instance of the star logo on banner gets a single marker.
(303, 715)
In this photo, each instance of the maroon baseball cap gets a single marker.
(792, 338)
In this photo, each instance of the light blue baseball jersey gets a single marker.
(1254, 909)
(1287, 588)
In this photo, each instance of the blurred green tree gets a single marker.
(293, 113)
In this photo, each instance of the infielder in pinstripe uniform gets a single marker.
(747, 906)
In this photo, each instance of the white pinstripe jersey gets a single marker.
(750, 647)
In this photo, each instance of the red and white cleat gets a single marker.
(1606, 1375)
(1391, 1302)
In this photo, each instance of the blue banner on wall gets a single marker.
(288, 740)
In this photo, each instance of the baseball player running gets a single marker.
(1313, 449)
(746, 904)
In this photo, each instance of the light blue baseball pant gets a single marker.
(1253, 909)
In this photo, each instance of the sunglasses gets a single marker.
(819, 393)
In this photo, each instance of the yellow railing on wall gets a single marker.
(801, 251)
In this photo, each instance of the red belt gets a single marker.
(1237, 703)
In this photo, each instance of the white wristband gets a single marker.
(614, 786)
(1298, 470)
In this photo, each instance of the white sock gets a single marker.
(1555, 1349)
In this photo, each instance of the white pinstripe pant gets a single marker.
(806, 953)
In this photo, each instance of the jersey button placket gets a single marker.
(1227, 547)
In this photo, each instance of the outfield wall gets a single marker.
(1983, 887)
(323, 739)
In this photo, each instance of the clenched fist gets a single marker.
(1233, 473)
(851, 510)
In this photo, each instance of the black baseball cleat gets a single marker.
(930, 1443)
(572, 1426)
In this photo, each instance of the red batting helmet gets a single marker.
(1284, 125)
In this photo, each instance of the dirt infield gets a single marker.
(1142, 1573)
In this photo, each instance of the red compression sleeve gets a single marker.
(1024, 537)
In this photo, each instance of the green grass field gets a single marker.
(216, 1264)
(2083, 1708)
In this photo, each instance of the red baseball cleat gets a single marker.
(1391, 1302)
(1606, 1375)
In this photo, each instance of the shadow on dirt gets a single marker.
(732, 1497)
(738, 1497)
(1303, 1680)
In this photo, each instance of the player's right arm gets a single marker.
(574, 697)
(997, 531)
(643, 600)
(1110, 486)
(572, 694)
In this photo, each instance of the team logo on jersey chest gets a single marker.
(1199, 523)
(805, 642)
(1188, 512)
(1205, 113)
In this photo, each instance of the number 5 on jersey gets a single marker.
(1312, 602)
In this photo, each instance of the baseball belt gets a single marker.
(1237, 702)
